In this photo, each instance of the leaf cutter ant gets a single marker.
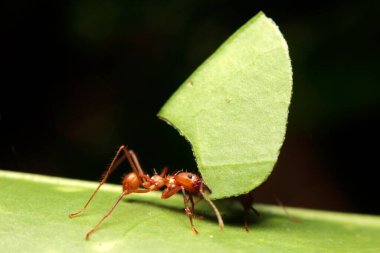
(139, 182)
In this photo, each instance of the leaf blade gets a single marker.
(233, 109)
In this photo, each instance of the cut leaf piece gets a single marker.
(233, 109)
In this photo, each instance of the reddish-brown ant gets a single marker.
(139, 182)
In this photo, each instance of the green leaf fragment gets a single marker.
(233, 109)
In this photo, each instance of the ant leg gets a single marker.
(137, 163)
(198, 200)
(199, 197)
(113, 207)
(246, 201)
(246, 213)
(164, 171)
(187, 210)
(255, 211)
(192, 203)
(168, 192)
(290, 217)
(107, 214)
(192, 207)
(114, 164)
(133, 161)
(218, 216)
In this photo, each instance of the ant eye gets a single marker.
(190, 176)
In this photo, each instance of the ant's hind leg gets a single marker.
(134, 161)
(164, 172)
(114, 164)
(107, 214)
(113, 207)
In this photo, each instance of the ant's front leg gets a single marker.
(218, 216)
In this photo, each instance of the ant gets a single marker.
(139, 182)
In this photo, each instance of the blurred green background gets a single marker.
(80, 78)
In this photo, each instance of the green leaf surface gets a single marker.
(233, 109)
(34, 209)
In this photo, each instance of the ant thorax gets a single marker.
(158, 181)
(170, 182)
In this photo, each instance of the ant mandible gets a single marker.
(139, 182)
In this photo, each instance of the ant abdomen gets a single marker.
(131, 182)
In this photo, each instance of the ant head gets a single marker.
(190, 181)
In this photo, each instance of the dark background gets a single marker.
(79, 78)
